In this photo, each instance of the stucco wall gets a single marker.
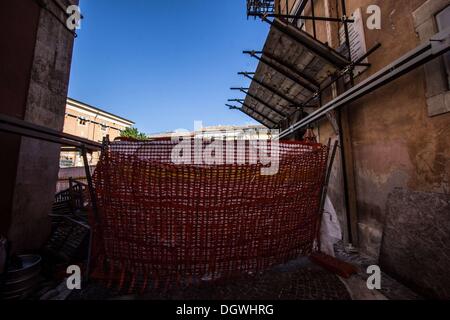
(398, 149)
(395, 143)
(92, 131)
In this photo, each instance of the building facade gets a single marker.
(85, 121)
(246, 132)
(397, 138)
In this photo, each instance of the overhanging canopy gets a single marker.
(291, 68)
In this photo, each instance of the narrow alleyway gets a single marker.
(298, 280)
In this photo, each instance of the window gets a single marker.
(66, 161)
(443, 22)
(82, 121)
(430, 18)
(104, 127)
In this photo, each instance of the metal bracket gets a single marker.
(440, 40)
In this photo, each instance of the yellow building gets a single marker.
(91, 123)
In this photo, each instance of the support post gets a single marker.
(313, 13)
(325, 189)
(87, 170)
(347, 40)
(93, 206)
(347, 162)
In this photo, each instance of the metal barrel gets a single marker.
(20, 282)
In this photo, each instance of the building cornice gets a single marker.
(96, 112)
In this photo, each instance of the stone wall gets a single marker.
(37, 162)
(416, 241)
(22, 20)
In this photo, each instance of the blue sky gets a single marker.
(164, 64)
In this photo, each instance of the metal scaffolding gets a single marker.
(259, 7)
(284, 24)
(435, 47)
(279, 71)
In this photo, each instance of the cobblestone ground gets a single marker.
(303, 284)
(302, 281)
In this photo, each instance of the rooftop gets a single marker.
(99, 111)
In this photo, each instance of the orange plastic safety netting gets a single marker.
(160, 222)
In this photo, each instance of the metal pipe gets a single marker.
(288, 16)
(273, 90)
(318, 93)
(35, 135)
(257, 112)
(438, 45)
(281, 71)
(293, 68)
(251, 116)
(314, 21)
(301, 7)
(17, 126)
(242, 102)
(341, 74)
(90, 183)
(345, 181)
(94, 207)
(281, 114)
(347, 40)
(321, 50)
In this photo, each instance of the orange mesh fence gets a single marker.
(161, 222)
